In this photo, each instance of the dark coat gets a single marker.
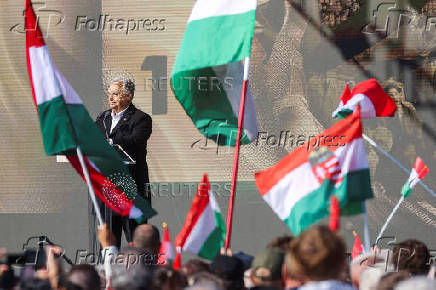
(131, 133)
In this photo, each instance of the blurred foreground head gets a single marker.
(318, 254)
(84, 277)
(413, 256)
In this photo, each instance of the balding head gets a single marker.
(147, 237)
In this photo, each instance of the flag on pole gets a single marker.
(419, 171)
(357, 246)
(298, 188)
(166, 252)
(65, 125)
(370, 96)
(204, 230)
(335, 212)
(207, 77)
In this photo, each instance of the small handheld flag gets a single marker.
(419, 171)
(371, 97)
(357, 246)
(166, 252)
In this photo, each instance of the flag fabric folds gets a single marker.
(65, 125)
(204, 230)
(299, 187)
(373, 101)
(419, 171)
(207, 77)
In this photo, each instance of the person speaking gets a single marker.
(127, 129)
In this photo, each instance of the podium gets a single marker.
(93, 223)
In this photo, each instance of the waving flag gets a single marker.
(66, 125)
(371, 97)
(419, 171)
(299, 187)
(207, 77)
(204, 230)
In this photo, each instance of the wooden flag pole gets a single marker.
(236, 158)
(88, 182)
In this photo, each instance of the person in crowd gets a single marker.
(168, 279)
(417, 283)
(266, 269)
(230, 270)
(390, 280)
(84, 276)
(318, 259)
(360, 264)
(194, 266)
(282, 242)
(201, 278)
(413, 256)
(290, 282)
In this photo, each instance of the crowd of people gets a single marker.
(334, 12)
(316, 259)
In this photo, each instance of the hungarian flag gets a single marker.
(299, 187)
(166, 252)
(373, 101)
(207, 77)
(419, 171)
(66, 125)
(357, 246)
(204, 230)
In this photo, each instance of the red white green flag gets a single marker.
(370, 96)
(419, 171)
(204, 230)
(299, 187)
(207, 77)
(65, 125)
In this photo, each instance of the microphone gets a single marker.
(104, 124)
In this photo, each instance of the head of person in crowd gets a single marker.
(204, 285)
(131, 256)
(290, 282)
(136, 277)
(318, 254)
(413, 256)
(282, 242)
(417, 283)
(146, 237)
(205, 278)
(194, 266)
(120, 94)
(168, 279)
(266, 269)
(230, 270)
(391, 279)
(34, 284)
(84, 276)
(371, 276)
(360, 264)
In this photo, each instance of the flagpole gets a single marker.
(366, 237)
(389, 219)
(90, 187)
(392, 158)
(236, 158)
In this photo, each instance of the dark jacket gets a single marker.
(131, 133)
